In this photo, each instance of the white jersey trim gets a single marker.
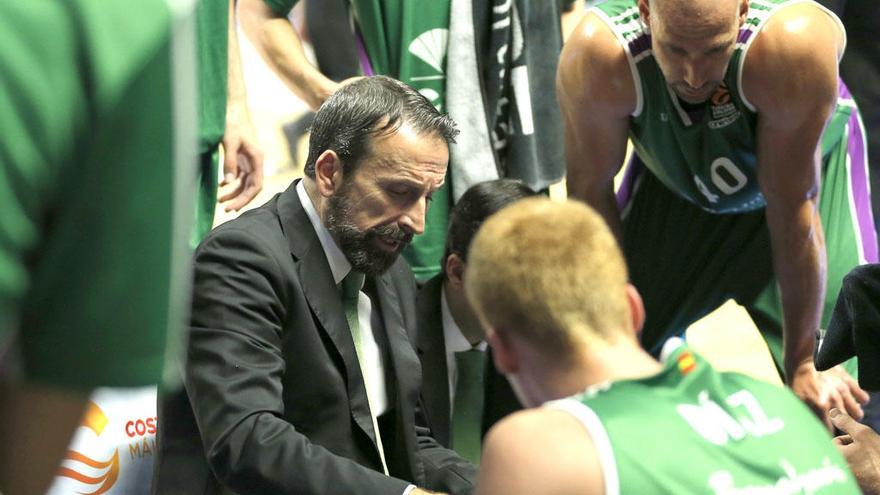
(591, 422)
(757, 29)
(851, 196)
(685, 118)
(637, 80)
(671, 345)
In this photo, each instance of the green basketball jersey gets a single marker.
(212, 25)
(691, 429)
(97, 145)
(708, 160)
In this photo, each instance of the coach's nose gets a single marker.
(413, 218)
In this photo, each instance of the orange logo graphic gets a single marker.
(721, 95)
(95, 420)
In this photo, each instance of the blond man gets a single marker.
(550, 285)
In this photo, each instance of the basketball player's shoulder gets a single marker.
(594, 67)
(794, 55)
(800, 30)
(541, 450)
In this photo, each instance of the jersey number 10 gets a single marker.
(726, 176)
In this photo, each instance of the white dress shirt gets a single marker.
(369, 321)
(455, 342)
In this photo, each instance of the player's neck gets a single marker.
(623, 360)
(626, 361)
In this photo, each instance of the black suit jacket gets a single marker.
(274, 399)
(499, 399)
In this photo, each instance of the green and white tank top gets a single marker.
(710, 162)
(691, 429)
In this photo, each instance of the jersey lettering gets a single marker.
(717, 426)
(758, 424)
(727, 176)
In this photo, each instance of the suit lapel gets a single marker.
(402, 372)
(324, 299)
(431, 347)
(403, 360)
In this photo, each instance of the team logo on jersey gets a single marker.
(723, 110)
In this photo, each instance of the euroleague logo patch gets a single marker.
(724, 112)
(101, 474)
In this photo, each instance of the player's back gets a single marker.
(691, 429)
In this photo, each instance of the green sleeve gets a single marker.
(89, 230)
(41, 95)
(281, 7)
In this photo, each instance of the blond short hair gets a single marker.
(550, 273)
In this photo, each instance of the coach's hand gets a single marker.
(823, 390)
(861, 447)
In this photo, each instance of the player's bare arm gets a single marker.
(539, 452)
(277, 42)
(790, 76)
(243, 157)
(597, 95)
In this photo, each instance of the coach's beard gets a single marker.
(361, 248)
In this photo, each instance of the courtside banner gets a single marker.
(112, 450)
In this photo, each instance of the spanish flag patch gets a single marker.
(686, 363)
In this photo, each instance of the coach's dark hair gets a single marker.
(474, 207)
(368, 107)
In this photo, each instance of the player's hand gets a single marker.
(822, 390)
(861, 447)
(242, 162)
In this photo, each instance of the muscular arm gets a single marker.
(243, 158)
(791, 78)
(539, 452)
(280, 46)
(596, 93)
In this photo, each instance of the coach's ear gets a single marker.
(636, 308)
(503, 351)
(328, 173)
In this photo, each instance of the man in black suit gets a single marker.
(463, 394)
(300, 378)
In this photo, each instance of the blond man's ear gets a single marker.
(636, 308)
